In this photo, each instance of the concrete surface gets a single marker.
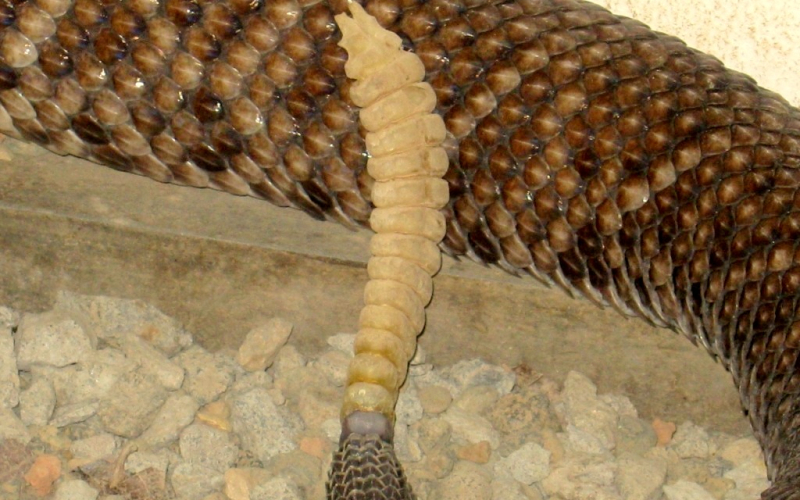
(223, 264)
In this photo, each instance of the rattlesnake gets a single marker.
(582, 149)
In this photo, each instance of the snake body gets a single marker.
(584, 149)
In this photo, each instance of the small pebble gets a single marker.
(37, 402)
(278, 488)
(11, 427)
(434, 399)
(206, 375)
(132, 405)
(46, 469)
(209, 447)
(195, 481)
(686, 490)
(528, 464)
(664, 431)
(264, 430)
(75, 489)
(9, 374)
(261, 344)
(239, 483)
(93, 448)
(177, 412)
(468, 481)
(217, 415)
(479, 453)
(690, 441)
(50, 339)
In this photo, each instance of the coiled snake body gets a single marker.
(584, 149)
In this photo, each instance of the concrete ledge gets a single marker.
(223, 264)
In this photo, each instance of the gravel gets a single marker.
(108, 399)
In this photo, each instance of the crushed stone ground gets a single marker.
(104, 398)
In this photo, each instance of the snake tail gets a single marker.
(407, 161)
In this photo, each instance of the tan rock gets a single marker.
(315, 446)
(240, 482)
(434, 399)
(479, 453)
(217, 415)
(43, 473)
(261, 344)
(664, 431)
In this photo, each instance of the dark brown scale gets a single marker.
(221, 22)
(127, 24)
(584, 149)
(148, 59)
(182, 12)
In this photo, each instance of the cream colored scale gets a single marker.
(404, 140)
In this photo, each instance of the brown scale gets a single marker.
(585, 149)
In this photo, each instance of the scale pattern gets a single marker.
(584, 149)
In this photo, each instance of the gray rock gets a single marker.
(262, 343)
(434, 399)
(75, 489)
(94, 448)
(206, 375)
(249, 381)
(150, 360)
(287, 360)
(9, 318)
(468, 481)
(640, 478)
(621, 404)
(475, 372)
(209, 447)
(9, 376)
(750, 478)
(111, 318)
(160, 460)
(433, 433)
(471, 428)
(277, 488)
(332, 429)
(333, 364)
(131, 405)
(263, 429)
(581, 441)
(342, 342)
(686, 490)
(408, 409)
(406, 444)
(502, 489)
(175, 414)
(91, 380)
(742, 451)
(193, 482)
(528, 464)
(50, 339)
(690, 441)
(633, 435)
(583, 476)
(580, 407)
(74, 413)
(11, 427)
(477, 399)
(37, 402)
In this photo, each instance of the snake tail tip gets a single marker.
(365, 467)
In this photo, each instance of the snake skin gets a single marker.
(585, 149)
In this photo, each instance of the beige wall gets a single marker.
(758, 37)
